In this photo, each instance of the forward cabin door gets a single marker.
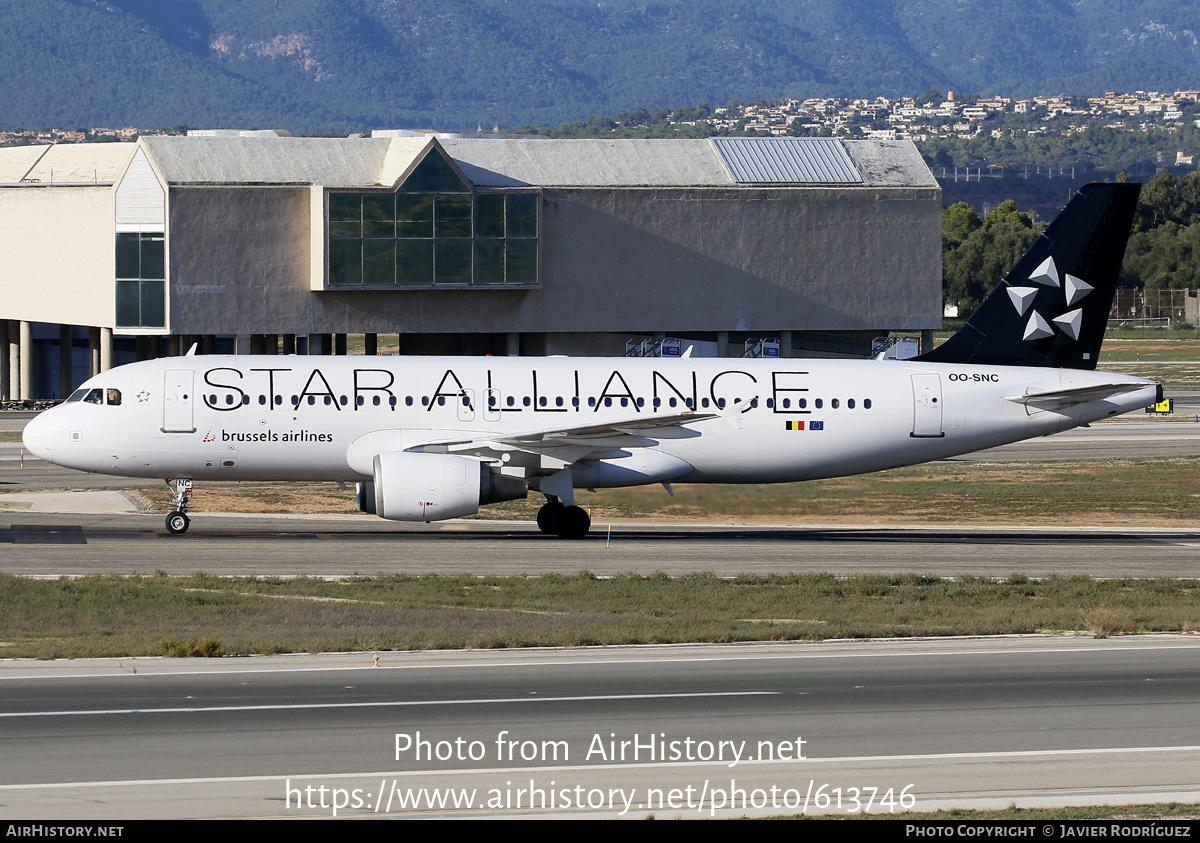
(178, 400)
(927, 406)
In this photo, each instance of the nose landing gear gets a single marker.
(177, 520)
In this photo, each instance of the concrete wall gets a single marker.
(613, 260)
(59, 255)
(239, 262)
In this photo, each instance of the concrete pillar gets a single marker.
(722, 343)
(5, 372)
(242, 344)
(5, 379)
(302, 345)
(289, 343)
(785, 343)
(93, 351)
(339, 344)
(65, 375)
(106, 349)
(371, 344)
(256, 344)
(26, 360)
(513, 340)
(270, 343)
(14, 360)
(926, 341)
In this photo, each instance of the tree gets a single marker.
(958, 221)
(1006, 213)
(974, 265)
(1159, 202)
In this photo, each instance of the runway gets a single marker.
(325, 546)
(678, 731)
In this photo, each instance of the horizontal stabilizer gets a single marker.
(1077, 394)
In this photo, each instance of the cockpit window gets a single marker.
(114, 397)
(77, 395)
(94, 396)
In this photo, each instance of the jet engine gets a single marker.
(433, 487)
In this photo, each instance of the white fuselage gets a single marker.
(324, 418)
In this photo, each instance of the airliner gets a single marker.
(431, 438)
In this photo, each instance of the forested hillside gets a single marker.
(342, 65)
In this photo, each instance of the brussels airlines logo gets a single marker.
(209, 437)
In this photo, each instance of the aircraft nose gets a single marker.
(38, 438)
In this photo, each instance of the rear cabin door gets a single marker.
(927, 406)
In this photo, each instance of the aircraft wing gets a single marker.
(570, 444)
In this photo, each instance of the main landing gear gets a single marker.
(567, 522)
(177, 521)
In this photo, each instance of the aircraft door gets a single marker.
(178, 401)
(927, 406)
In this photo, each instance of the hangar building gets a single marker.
(471, 245)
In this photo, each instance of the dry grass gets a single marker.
(197, 615)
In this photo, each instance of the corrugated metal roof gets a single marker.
(350, 163)
(787, 160)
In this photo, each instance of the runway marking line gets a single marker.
(388, 704)
(531, 660)
(163, 533)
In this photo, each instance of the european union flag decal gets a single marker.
(816, 425)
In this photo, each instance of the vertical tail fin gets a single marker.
(1052, 308)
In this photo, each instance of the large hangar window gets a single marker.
(433, 232)
(141, 280)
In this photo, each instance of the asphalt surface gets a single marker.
(962, 723)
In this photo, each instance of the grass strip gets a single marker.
(113, 615)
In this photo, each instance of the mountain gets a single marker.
(342, 65)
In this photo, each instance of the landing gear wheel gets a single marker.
(573, 523)
(548, 515)
(177, 522)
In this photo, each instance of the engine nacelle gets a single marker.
(433, 487)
